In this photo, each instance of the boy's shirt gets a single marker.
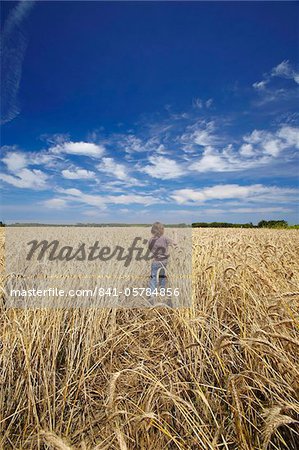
(159, 248)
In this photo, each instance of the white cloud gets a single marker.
(15, 161)
(289, 135)
(259, 210)
(77, 174)
(205, 136)
(79, 148)
(253, 193)
(118, 171)
(285, 70)
(227, 160)
(201, 133)
(260, 147)
(161, 150)
(20, 176)
(260, 85)
(88, 199)
(247, 150)
(211, 161)
(272, 143)
(100, 201)
(163, 168)
(282, 70)
(55, 203)
(182, 196)
(26, 178)
(130, 143)
(273, 147)
(255, 137)
(43, 158)
(132, 198)
(111, 167)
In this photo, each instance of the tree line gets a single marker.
(261, 224)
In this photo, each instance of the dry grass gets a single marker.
(222, 374)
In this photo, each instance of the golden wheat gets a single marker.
(222, 374)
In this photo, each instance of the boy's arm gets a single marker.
(172, 242)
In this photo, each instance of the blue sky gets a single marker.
(142, 111)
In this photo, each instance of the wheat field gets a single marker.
(221, 374)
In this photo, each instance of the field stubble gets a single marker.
(222, 374)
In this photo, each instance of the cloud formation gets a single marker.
(15, 161)
(146, 165)
(26, 178)
(55, 203)
(100, 201)
(253, 193)
(260, 147)
(282, 70)
(285, 70)
(78, 174)
(163, 168)
(114, 169)
(79, 148)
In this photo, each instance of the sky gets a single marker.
(142, 111)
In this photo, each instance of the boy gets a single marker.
(158, 245)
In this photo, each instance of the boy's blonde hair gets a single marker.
(157, 229)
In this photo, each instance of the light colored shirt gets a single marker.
(159, 247)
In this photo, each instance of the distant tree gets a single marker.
(221, 225)
(273, 224)
(262, 224)
(247, 225)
